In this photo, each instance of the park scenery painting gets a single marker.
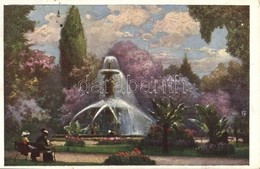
(126, 85)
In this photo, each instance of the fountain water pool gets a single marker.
(118, 108)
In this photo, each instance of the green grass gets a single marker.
(157, 151)
(96, 149)
(241, 150)
(20, 162)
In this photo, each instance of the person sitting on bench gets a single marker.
(27, 145)
(42, 144)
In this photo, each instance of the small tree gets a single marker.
(168, 116)
(210, 122)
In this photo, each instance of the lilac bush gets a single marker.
(219, 99)
(74, 101)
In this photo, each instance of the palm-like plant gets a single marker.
(168, 115)
(74, 128)
(210, 122)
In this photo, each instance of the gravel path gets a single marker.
(171, 160)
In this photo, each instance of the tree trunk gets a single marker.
(212, 138)
(236, 135)
(165, 140)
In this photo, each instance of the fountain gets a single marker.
(117, 109)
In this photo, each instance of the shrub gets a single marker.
(219, 148)
(181, 139)
(135, 157)
(71, 140)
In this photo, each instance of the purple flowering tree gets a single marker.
(219, 99)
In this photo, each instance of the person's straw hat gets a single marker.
(25, 133)
(43, 130)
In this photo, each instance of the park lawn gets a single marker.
(22, 162)
(96, 149)
(241, 150)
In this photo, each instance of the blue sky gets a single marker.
(166, 32)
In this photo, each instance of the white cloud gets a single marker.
(201, 66)
(178, 26)
(128, 15)
(166, 59)
(102, 34)
(211, 60)
(47, 33)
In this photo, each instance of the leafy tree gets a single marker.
(89, 68)
(232, 79)
(240, 127)
(52, 97)
(185, 70)
(215, 80)
(237, 84)
(16, 25)
(210, 122)
(168, 115)
(234, 18)
(73, 47)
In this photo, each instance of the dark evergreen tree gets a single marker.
(185, 70)
(73, 47)
(171, 70)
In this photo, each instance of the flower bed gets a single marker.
(71, 140)
(135, 157)
(117, 140)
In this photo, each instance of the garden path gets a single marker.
(171, 160)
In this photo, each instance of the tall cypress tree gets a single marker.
(185, 70)
(73, 47)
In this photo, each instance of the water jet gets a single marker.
(117, 108)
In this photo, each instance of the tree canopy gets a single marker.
(16, 25)
(234, 18)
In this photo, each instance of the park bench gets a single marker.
(23, 149)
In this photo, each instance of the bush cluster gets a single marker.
(135, 157)
(76, 141)
(219, 148)
(181, 139)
